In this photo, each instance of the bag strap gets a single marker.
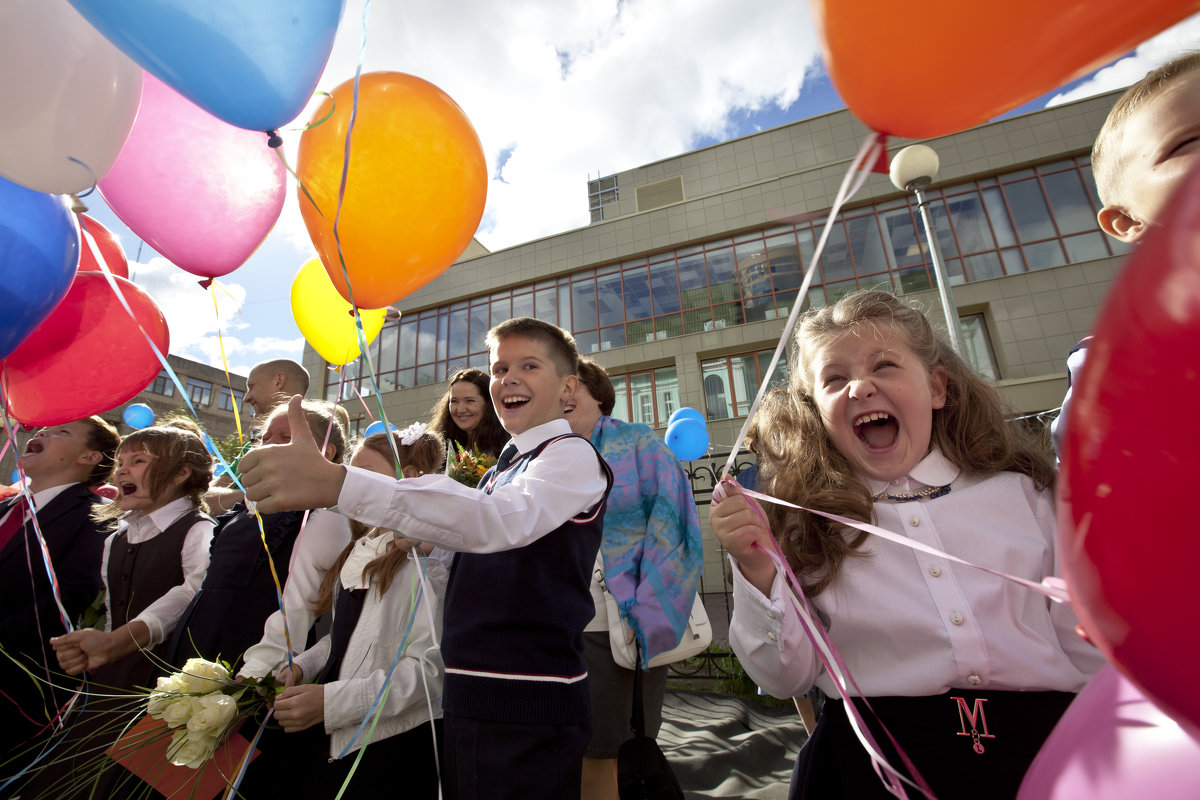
(638, 720)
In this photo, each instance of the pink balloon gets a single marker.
(1114, 744)
(198, 190)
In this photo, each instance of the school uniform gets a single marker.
(227, 616)
(909, 625)
(516, 694)
(30, 615)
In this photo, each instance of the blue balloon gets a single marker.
(686, 413)
(687, 438)
(138, 415)
(253, 64)
(377, 427)
(16, 476)
(220, 470)
(39, 251)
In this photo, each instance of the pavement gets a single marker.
(724, 746)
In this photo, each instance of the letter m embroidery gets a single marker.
(977, 717)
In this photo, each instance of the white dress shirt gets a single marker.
(562, 482)
(162, 615)
(910, 624)
(40, 499)
(320, 542)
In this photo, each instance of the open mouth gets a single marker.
(514, 402)
(877, 429)
(34, 446)
(127, 489)
(568, 408)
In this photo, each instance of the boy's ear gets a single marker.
(91, 458)
(410, 471)
(1117, 223)
(330, 451)
(570, 386)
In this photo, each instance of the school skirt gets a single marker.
(966, 744)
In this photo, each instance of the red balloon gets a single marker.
(101, 246)
(1131, 464)
(88, 356)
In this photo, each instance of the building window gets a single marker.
(601, 192)
(1019, 221)
(227, 397)
(977, 346)
(199, 392)
(648, 397)
(731, 383)
(163, 385)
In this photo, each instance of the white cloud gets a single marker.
(573, 88)
(194, 322)
(1151, 54)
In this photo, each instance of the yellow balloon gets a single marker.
(325, 319)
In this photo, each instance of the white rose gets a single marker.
(202, 677)
(171, 685)
(190, 751)
(215, 712)
(158, 703)
(179, 710)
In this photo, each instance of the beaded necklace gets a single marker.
(928, 493)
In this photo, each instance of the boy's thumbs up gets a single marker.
(293, 476)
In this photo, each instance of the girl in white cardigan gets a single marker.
(384, 594)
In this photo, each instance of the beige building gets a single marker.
(681, 283)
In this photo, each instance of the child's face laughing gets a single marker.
(876, 399)
(133, 480)
(526, 388)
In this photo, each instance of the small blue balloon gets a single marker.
(220, 470)
(16, 476)
(687, 438)
(686, 413)
(138, 415)
(377, 427)
(39, 251)
(253, 64)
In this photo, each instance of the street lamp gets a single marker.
(913, 169)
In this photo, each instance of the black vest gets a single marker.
(514, 620)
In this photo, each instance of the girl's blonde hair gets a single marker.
(319, 414)
(427, 454)
(176, 444)
(798, 462)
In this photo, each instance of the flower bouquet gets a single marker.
(468, 466)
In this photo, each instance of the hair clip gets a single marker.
(413, 432)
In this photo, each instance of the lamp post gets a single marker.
(913, 169)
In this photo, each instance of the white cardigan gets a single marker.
(372, 649)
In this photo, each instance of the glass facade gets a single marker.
(1016, 222)
(731, 383)
(648, 397)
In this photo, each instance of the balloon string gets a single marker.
(856, 176)
(225, 365)
(112, 282)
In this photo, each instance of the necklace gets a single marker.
(928, 493)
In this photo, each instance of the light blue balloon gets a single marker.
(377, 427)
(686, 413)
(687, 438)
(39, 251)
(219, 470)
(252, 63)
(16, 476)
(138, 415)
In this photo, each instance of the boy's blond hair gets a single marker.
(1106, 163)
(561, 344)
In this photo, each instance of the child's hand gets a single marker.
(293, 476)
(81, 650)
(290, 676)
(300, 707)
(739, 523)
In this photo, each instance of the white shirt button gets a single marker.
(771, 636)
(974, 680)
(956, 618)
(915, 522)
(935, 571)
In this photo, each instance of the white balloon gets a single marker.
(67, 100)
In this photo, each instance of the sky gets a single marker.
(560, 92)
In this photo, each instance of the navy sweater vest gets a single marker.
(514, 620)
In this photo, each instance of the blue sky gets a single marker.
(559, 91)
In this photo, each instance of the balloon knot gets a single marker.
(207, 282)
(274, 139)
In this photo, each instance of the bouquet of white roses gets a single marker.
(201, 704)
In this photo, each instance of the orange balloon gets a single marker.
(414, 193)
(934, 67)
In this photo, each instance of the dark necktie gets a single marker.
(506, 457)
(13, 522)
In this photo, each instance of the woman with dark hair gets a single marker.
(465, 415)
